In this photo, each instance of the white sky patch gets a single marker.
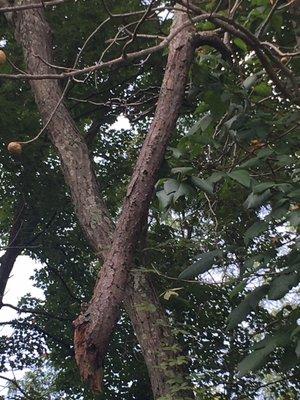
(18, 285)
(121, 123)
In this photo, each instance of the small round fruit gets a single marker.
(14, 148)
(2, 57)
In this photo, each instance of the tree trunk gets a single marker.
(33, 33)
(93, 328)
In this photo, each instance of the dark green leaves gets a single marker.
(241, 176)
(256, 200)
(246, 306)
(204, 263)
(255, 359)
(202, 125)
(281, 285)
(171, 186)
(261, 187)
(240, 43)
(256, 229)
(261, 352)
(171, 192)
(205, 185)
(263, 89)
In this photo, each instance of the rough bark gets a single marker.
(94, 328)
(33, 33)
(147, 315)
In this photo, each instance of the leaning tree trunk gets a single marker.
(94, 327)
(34, 34)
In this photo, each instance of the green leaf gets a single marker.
(216, 177)
(280, 339)
(256, 229)
(255, 360)
(294, 218)
(246, 306)
(240, 43)
(205, 185)
(264, 153)
(263, 89)
(238, 289)
(203, 264)
(252, 162)
(261, 187)
(262, 349)
(285, 187)
(183, 190)
(171, 186)
(214, 100)
(163, 199)
(281, 285)
(241, 176)
(202, 124)
(295, 195)
(176, 152)
(295, 333)
(277, 22)
(256, 200)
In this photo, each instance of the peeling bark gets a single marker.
(33, 33)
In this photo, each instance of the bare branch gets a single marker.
(15, 383)
(35, 312)
(140, 22)
(279, 52)
(32, 6)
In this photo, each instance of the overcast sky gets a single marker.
(18, 285)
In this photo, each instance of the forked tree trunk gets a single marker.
(34, 34)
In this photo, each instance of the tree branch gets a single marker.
(32, 6)
(14, 249)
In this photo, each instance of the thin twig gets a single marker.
(31, 6)
(279, 52)
(144, 17)
(17, 385)
(267, 20)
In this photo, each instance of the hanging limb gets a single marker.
(40, 4)
(13, 250)
(21, 236)
(18, 242)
